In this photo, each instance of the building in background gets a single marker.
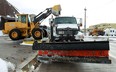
(110, 32)
(7, 12)
(7, 9)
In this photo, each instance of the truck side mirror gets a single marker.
(79, 22)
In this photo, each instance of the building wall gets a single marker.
(110, 32)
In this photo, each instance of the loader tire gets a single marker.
(15, 34)
(37, 33)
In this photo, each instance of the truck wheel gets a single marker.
(37, 33)
(15, 34)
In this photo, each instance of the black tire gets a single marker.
(37, 30)
(15, 31)
(45, 34)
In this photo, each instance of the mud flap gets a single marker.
(88, 45)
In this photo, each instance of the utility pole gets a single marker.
(85, 21)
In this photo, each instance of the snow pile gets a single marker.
(5, 66)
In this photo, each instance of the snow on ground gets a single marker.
(5, 66)
(100, 38)
(1, 33)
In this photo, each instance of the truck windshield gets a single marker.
(65, 20)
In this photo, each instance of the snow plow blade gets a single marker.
(89, 45)
(84, 52)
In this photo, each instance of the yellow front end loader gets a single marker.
(24, 26)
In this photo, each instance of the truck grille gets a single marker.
(66, 31)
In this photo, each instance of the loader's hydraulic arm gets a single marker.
(55, 10)
(41, 16)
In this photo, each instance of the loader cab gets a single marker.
(24, 18)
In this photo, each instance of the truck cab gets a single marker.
(67, 28)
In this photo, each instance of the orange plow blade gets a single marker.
(85, 52)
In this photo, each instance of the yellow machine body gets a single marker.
(24, 26)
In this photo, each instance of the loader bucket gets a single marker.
(56, 10)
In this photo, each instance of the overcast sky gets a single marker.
(98, 11)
